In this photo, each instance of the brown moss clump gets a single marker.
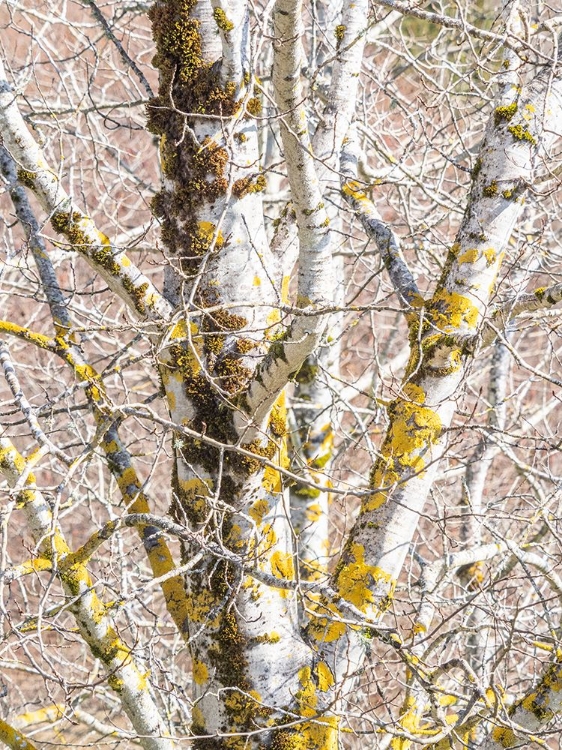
(188, 84)
(339, 33)
(27, 178)
(194, 84)
(247, 185)
(68, 224)
(244, 346)
(254, 106)
(232, 374)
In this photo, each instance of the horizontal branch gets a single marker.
(506, 40)
(542, 298)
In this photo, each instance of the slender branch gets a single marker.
(108, 31)
(505, 40)
(96, 627)
(385, 239)
(36, 243)
(66, 217)
(25, 407)
(542, 298)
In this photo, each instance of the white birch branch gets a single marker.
(94, 624)
(68, 219)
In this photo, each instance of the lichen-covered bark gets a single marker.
(244, 636)
(442, 330)
(92, 619)
(13, 738)
(532, 712)
(68, 219)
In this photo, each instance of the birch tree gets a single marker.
(279, 323)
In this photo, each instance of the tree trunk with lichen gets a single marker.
(249, 659)
(251, 662)
(276, 638)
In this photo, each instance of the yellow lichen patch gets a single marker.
(242, 707)
(313, 512)
(257, 281)
(553, 679)
(282, 565)
(414, 428)
(409, 721)
(198, 719)
(356, 579)
(504, 736)
(451, 311)
(199, 605)
(447, 700)
(354, 190)
(207, 233)
(377, 499)
(536, 705)
(414, 393)
(306, 696)
(321, 734)
(179, 331)
(325, 677)
(470, 256)
(195, 488)
(200, 672)
(35, 566)
(12, 738)
(491, 255)
(269, 537)
(259, 510)
(273, 317)
(171, 397)
(324, 625)
(271, 480)
(11, 459)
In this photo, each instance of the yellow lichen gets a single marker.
(313, 512)
(282, 565)
(259, 510)
(504, 736)
(356, 578)
(451, 311)
(324, 625)
(469, 256)
(222, 21)
(200, 672)
(490, 254)
(325, 677)
(409, 721)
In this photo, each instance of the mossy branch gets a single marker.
(68, 219)
(14, 738)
